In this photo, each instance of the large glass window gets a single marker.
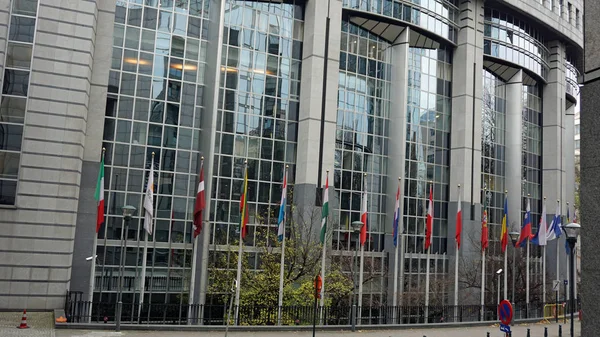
(361, 148)
(511, 38)
(257, 121)
(531, 169)
(154, 105)
(15, 88)
(437, 16)
(427, 160)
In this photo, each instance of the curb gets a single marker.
(263, 328)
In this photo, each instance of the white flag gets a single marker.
(149, 200)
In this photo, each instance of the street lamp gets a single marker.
(572, 232)
(514, 237)
(499, 272)
(356, 226)
(128, 212)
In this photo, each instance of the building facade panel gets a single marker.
(472, 93)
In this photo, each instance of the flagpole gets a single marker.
(282, 263)
(482, 283)
(94, 248)
(456, 269)
(281, 270)
(143, 275)
(506, 273)
(395, 292)
(428, 245)
(527, 266)
(238, 279)
(92, 275)
(360, 280)
(427, 288)
(192, 280)
(323, 239)
(543, 223)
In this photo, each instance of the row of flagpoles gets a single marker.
(544, 234)
(148, 206)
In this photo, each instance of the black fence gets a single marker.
(81, 311)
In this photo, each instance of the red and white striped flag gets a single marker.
(200, 202)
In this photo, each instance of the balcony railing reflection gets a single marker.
(132, 283)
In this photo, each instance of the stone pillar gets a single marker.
(514, 148)
(553, 128)
(397, 149)
(207, 145)
(465, 147)
(312, 91)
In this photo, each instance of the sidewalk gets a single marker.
(41, 324)
(537, 330)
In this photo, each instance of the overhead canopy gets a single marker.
(506, 70)
(389, 28)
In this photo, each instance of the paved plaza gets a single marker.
(537, 330)
(41, 325)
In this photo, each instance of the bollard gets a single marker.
(559, 330)
(546, 331)
(528, 333)
(488, 334)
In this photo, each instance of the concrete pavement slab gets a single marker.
(537, 330)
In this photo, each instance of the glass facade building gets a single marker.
(367, 90)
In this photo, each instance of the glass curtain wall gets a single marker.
(154, 104)
(493, 163)
(15, 88)
(257, 121)
(427, 159)
(361, 147)
(532, 176)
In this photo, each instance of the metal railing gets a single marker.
(174, 314)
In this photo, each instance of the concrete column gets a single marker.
(514, 148)
(465, 147)
(312, 91)
(207, 145)
(553, 121)
(397, 149)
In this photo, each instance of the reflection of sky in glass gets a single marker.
(438, 16)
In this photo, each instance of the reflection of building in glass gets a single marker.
(436, 92)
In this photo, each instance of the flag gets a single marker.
(281, 219)
(363, 213)
(504, 233)
(568, 216)
(429, 221)
(526, 229)
(99, 196)
(149, 200)
(540, 236)
(396, 217)
(325, 210)
(484, 226)
(200, 202)
(458, 220)
(244, 204)
(554, 231)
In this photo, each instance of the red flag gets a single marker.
(363, 213)
(458, 220)
(200, 202)
(484, 227)
(429, 222)
(244, 205)
(99, 196)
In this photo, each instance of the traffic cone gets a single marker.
(24, 321)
